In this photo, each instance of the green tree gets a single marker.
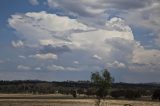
(102, 82)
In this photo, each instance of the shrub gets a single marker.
(118, 93)
(74, 93)
(131, 94)
(101, 93)
(156, 95)
(91, 92)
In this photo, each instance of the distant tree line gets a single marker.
(75, 88)
(42, 87)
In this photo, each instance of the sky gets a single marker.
(57, 40)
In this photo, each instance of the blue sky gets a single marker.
(67, 39)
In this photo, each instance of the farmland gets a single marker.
(70, 102)
(50, 100)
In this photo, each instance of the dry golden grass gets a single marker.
(65, 102)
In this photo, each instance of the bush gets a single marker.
(101, 93)
(131, 94)
(128, 94)
(156, 95)
(74, 93)
(91, 92)
(118, 93)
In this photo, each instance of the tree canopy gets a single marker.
(102, 82)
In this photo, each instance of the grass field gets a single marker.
(47, 100)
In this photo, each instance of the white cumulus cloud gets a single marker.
(45, 56)
(113, 44)
(39, 27)
(116, 64)
(17, 44)
(97, 57)
(60, 68)
(22, 67)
